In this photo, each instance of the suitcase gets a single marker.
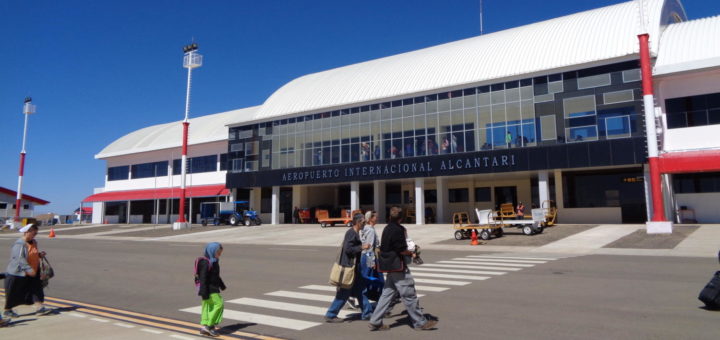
(710, 295)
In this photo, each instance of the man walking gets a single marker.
(393, 249)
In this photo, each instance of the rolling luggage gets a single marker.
(710, 295)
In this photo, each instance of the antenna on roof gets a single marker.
(481, 17)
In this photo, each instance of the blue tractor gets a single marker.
(230, 213)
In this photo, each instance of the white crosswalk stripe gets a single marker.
(304, 296)
(443, 282)
(329, 288)
(290, 307)
(463, 260)
(460, 271)
(502, 260)
(430, 288)
(260, 319)
(470, 266)
(514, 258)
(451, 276)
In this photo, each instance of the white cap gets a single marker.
(26, 228)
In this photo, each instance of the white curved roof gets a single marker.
(691, 45)
(596, 35)
(210, 128)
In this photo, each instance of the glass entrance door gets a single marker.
(505, 195)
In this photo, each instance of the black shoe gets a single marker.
(430, 324)
(334, 320)
(380, 327)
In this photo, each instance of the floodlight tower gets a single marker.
(191, 60)
(28, 109)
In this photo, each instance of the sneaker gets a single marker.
(10, 314)
(430, 324)
(43, 311)
(380, 327)
(205, 330)
(334, 320)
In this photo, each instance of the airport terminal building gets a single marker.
(547, 113)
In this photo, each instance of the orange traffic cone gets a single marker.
(473, 238)
(52, 233)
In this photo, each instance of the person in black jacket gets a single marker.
(350, 256)
(208, 273)
(393, 245)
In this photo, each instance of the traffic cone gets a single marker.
(52, 233)
(474, 240)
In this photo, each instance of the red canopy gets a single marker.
(149, 194)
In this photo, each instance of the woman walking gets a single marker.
(23, 285)
(208, 276)
(350, 256)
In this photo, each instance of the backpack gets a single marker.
(195, 272)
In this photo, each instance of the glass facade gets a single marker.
(579, 106)
(196, 165)
(146, 170)
(117, 173)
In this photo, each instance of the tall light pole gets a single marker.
(191, 60)
(28, 109)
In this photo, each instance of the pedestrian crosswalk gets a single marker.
(308, 303)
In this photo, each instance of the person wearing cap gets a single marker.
(22, 281)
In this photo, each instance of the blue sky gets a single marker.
(98, 70)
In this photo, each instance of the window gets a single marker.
(594, 81)
(458, 195)
(696, 183)
(26, 206)
(631, 75)
(692, 111)
(431, 196)
(482, 194)
(618, 97)
(579, 106)
(145, 170)
(118, 173)
(3, 206)
(392, 194)
(223, 162)
(196, 165)
(547, 126)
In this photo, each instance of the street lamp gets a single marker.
(28, 109)
(191, 60)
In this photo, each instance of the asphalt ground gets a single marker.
(591, 297)
(642, 240)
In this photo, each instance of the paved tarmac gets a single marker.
(696, 241)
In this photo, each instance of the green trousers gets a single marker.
(212, 310)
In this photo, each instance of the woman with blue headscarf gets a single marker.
(208, 274)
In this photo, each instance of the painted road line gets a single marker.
(451, 276)
(304, 296)
(329, 289)
(507, 261)
(290, 307)
(260, 319)
(443, 282)
(442, 265)
(514, 258)
(459, 271)
(124, 325)
(146, 320)
(485, 263)
(99, 320)
(430, 288)
(153, 331)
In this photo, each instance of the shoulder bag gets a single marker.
(340, 276)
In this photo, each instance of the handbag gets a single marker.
(390, 262)
(340, 276)
(46, 271)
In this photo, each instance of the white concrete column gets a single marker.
(354, 195)
(559, 203)
(648, 193)
(419, 201)
(128, 213)
(543, 187)
(379, 200)
(275, 217)
(442, 200)
(255, 199)
(190, 212)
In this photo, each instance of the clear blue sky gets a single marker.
(98, 70)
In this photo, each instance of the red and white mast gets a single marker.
(191, 60)
(28, 109)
